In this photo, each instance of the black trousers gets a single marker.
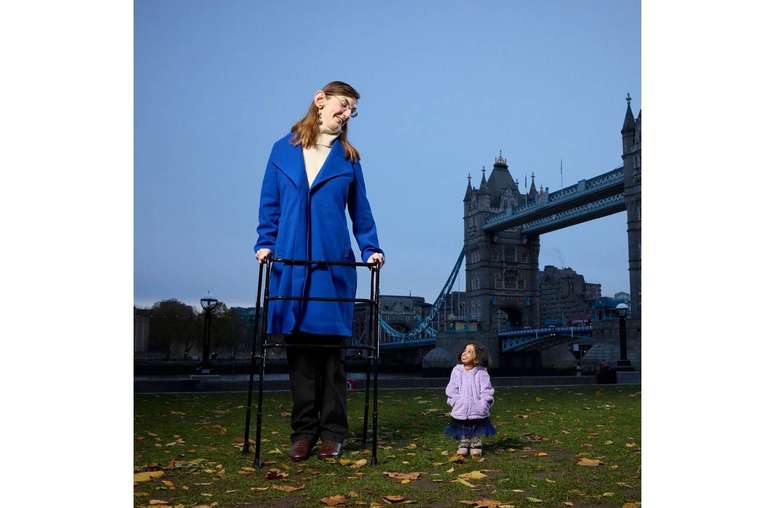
(318, 385)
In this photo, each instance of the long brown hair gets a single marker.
(306, 130)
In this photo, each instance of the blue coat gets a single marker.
(302, 222)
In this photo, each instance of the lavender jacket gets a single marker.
(470, 393)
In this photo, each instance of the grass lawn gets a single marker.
(190, 446)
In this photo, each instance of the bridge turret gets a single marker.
(484, 196)
(628, 129)
(532, 195)
(468, 191)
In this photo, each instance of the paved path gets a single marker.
(279, 382)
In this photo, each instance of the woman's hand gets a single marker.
(377, 258)
(262, 254)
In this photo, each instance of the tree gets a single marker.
(173, 322)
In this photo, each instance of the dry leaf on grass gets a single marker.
(464, 482)
(394, 499)
(568, 503)
(359, 463)
(147, 475)
(631, 504)
(276, 474)
(589, 462)
(259, 489)
(484, 503)
(534, 500)
(158, 502)
(473, 475)
(457, 458)
(334, 500)
(403, 477)
(287, 488)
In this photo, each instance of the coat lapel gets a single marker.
(335, 165)
(290, 160)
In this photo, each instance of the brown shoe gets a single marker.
(300, 450)
(329, 449)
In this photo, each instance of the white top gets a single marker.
(315, 156)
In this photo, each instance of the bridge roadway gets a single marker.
(515, 340)
(586, 200)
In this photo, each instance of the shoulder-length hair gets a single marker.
(306, 130)
(482, 354)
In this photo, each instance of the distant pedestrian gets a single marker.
(606, 375)
(470, 395)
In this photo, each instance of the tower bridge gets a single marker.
(502, 228)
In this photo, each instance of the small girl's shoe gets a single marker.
(462, 449)
(476, 448)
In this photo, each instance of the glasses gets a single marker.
(346, 106)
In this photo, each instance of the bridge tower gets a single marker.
(631, 138)
(501, 269)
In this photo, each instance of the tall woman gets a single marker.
(313, 174)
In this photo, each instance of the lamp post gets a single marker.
(623, 362)
(208, 304)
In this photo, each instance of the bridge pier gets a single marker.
(441, 359)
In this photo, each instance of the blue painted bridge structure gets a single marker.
(538, 338)
(502, 230)
(586, 200)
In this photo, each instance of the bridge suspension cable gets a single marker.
(424, 325)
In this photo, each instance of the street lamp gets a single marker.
(208, 304)
(623, 362)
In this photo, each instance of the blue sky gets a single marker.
(444, 86)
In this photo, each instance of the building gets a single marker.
(565, 296)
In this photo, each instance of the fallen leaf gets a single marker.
(622, 484)
(147, 475)
(457, 458)
(402, 476)
(549, 480)
(334, 500)
(517, 490)
(394, 499)
(589, 462)
(287, 488)
(608, 494)
(345, 462)
(358, 463)
(608, 442)
(568, 503)
(473, 475)
(259, 489)
(631, 445)
(631, 504)
(534, 500)
(484, 503)
(168, 484)
(541, 454)
(158, 501)
(275, 474)
(465, 483)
